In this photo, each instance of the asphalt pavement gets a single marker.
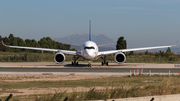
(113, 68)
(94, 70)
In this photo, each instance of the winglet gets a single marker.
(176, 43)
(3, 43)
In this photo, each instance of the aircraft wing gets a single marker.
(133, 49)
(43, 49)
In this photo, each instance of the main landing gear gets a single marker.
(75, 63)
(104, 61)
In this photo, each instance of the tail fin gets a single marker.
(90, 31)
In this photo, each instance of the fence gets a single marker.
(140, 72)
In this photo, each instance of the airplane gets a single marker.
(89, 51)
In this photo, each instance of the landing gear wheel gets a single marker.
(106, 63)
(89, 65)
(102, 63)
(75, 63)
(72, 63)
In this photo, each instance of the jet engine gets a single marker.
(120, 57)
(59, 57)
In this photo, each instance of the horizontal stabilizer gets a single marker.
(105, 45)
(72, 44)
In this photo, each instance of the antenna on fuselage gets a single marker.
(90, 30)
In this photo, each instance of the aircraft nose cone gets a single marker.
(90, 54)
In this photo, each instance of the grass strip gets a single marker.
(115, 87)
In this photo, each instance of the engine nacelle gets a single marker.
(120, 57)
(59, 57)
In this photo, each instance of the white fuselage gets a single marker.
(89, 50)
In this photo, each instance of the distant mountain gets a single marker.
(79, 39)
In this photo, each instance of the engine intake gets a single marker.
(120, 58)
(59, 57)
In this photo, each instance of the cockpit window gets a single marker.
(89, 48)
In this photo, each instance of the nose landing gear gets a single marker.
(89, 65)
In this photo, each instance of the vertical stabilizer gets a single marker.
(90, 30)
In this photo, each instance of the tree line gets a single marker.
(45, 42)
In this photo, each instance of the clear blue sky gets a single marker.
(141, 22)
